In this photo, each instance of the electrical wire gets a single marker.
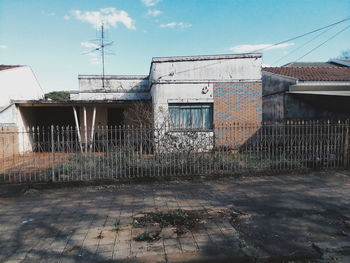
(303, 45)
(341, 31)
(305, 34)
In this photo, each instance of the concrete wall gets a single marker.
(163, 94)
(274, 88)
(116, 88)
(8, 142)
(200, 69)
(19, 84)
(8, 115)
(316, 107)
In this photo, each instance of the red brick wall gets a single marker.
(237, 112)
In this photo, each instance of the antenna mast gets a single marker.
(103, 56)
(101, 48)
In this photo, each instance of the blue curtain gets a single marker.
(191, 116)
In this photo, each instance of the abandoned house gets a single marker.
(307, 91)
(189, 92)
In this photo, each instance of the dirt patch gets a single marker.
(158, 224)
(181, 220)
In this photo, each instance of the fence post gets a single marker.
(346, 144)
(52, 154)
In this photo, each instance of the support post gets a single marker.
(77, 126)
(52, 154)
(92, 127)
(85, 129)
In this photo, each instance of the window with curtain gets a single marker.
(185, 116)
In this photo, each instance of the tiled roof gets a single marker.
(4, 67)
(313, 73)
(311, 64)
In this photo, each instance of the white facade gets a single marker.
(18, 83)
(191, 79)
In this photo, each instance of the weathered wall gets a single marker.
(8, 142)
(113, 83)
(18, 84)
(313, 107)
(273, 107)
(163, 94)
(8, 115)
(274, 88)
(206, 69)
(116, 88)
(25, 119)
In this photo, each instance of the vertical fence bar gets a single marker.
(346, 145)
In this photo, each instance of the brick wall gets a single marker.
(238, 110)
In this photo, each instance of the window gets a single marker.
(191, 116)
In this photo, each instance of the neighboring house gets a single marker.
(335, 62)
(190, 92)
(17, 83)
(306, 92)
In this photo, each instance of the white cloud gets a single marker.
(154, 12)
(109, 16)
(150, 2)
(250, 48)
(181, 25)
(48, 13)
(3, 46)
(88, 45)
(66, 17)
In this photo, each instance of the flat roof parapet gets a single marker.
(121, 77)
(205, 57)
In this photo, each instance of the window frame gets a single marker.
(190, 107)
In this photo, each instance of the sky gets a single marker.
(55, 37)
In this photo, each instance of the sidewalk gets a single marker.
(243, 219)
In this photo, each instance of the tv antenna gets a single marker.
(101, 48)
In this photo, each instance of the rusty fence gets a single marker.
(40, 154)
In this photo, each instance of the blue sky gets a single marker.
(51, 36)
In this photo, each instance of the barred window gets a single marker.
(191, 116)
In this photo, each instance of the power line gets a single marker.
(341, 31)
(305, 34)
(303, 45)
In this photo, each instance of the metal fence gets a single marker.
(70, 154)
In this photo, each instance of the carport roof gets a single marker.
(64, 103)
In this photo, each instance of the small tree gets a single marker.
(139, 113)
(58, 95)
